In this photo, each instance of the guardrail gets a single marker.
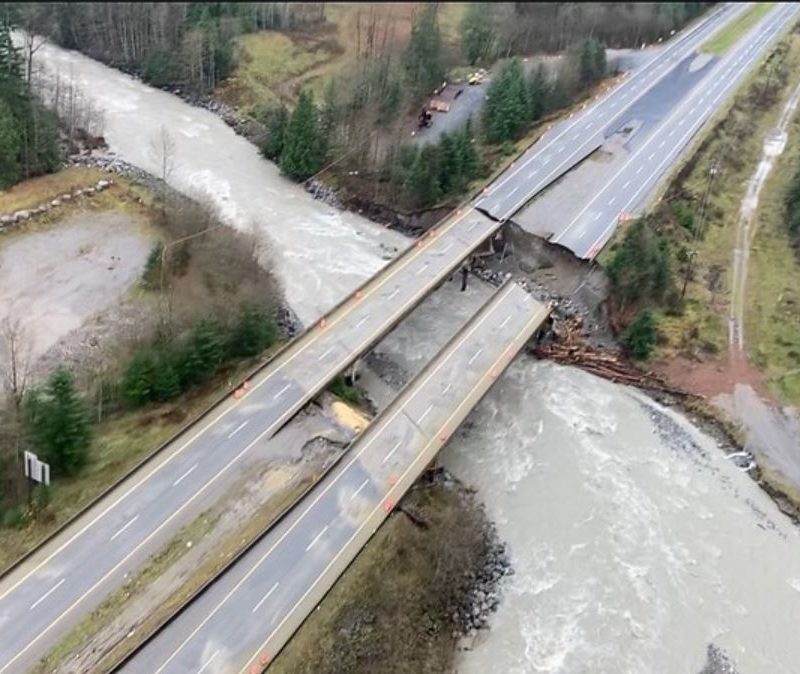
(291, 344)
(400, 399)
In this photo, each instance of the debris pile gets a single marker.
(565, 346)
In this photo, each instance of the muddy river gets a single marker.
(320, 253)
(636, 544)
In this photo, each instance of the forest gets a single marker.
(28, 132)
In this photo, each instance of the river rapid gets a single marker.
(636, 544)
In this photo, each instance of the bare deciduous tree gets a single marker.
(162, 148)
(16, 358)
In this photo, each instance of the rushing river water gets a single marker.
(319, 253)
(635, 543)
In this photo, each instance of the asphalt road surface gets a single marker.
(250, 612)
(627, 190)
(572, 140)
(49, 593)
(65, 580)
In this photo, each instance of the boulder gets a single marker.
(66, 197)
(22, 215)
(55, 202)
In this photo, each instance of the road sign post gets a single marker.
(35, 471)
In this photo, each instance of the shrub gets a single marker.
(641, 335)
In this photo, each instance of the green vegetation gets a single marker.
(269, 63)
(640, 269)
(163, 370)
(640, 337)
(423, 57)
(347, 392)
(477, 34)
(530, 27)
(592, 60)
(695, 242)
(792, 201)
(146, 382)
(59, 424)
(734, 31)
(276, 120)
(424, 176)
(302, 144)
(188, 45)
(28, 137)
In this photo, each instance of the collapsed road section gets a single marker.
(241, 621)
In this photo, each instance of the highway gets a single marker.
(250, 612)
(572, 140)
(627, 190)
(51, 591)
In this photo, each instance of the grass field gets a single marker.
(729, 35)
(31, 193)
(275, 66)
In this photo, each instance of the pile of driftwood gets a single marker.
(566, 346)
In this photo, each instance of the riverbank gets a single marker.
(428, 577)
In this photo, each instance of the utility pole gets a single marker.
(698, 230)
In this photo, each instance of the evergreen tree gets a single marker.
(422, 182)
(254, 331)
(207, 344)
(641, 269)
(792, 202)
(190, 366)
(59, 423)
(477, 32)
(538, 90)
(12, 83)
(276, 122)
(28, 137)
(591, 61)
(468, 156)
(166, 384)
(303, 147)
(423, 57)
(449, 164)
(139, 377)
(10, 147)
(640, 337)
(507, 111)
